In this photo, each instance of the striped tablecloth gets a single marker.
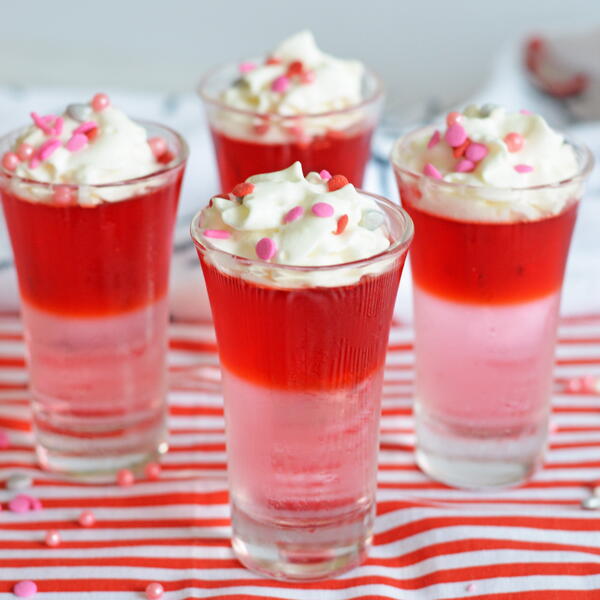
(431, 542)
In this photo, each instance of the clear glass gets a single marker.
(93, 277)
(486, 303)
(302, 367)
(247, 143)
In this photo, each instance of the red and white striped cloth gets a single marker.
(431, 542)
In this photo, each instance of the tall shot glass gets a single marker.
(486, 302)
(302, 366)
(93, 279)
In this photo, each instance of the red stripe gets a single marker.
(549, 594)
(192, 345)
(77, 545)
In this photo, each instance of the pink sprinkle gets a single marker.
(25, 151)
(434, 139)
(464, 166)
(77, 142)
(41, 123)
(476, 151)
(34, 163)
(452, 118)
(125, 478)
(524, 111)
(553, 426)
(308, 76)
(293, 214)
(514, 141)
(46, 150)
(20, 504)
(53, 539)
(280, 84)
(10, 161)
(523, 168)
(58, 125)
(87, 518)
(322, 209)
(247, 66)
(471, 587)
(100, 102)
(455, 135)
(266, 248)
(85, 127)
(35, 504)
(325, 175)
(25, 589)
(4, 440)
(154, 591)
(158, 146)
(431, 171)
(218, 234)
(152, 471)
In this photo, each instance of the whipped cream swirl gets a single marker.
(288, 219)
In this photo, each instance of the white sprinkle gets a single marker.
(372, 219)
(591, 503)
(19, 481)
(79, 112)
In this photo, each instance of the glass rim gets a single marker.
(201, 91)
(587, 164)
(397, 247)
(181, 159)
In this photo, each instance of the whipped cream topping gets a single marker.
(492, 149)
(288, 219)
(89, 144)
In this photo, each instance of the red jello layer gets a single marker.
(488, 263)
(302, 339)
(341, 152)
(100, 260)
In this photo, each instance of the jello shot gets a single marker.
(297, 104)
(90, 198)
(494, 197)
(302, 273)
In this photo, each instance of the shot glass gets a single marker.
(486, 305)
(302, 368)
(247, 143)
(93, 278)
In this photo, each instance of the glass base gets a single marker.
(95, 451)
(478, 457)
(302, 551)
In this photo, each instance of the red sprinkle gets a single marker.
(341, 225)
(242, 189)
(295, 68)
(460, 150)
(337, 182)
(272, 60)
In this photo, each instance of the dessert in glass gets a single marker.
(494, 198)
(302, 273)
(298, 104)
(90, 199)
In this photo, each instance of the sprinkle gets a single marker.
(337, 182)
(280, 84)
(10, 161)
(322, 209)
(125, 478)
(85, 127)
(62, 195)
(523, 168)
(459, 151)
(41, 123)
(372, 219)
(87, 519)
(19, 481)
(524, 111)
(486, 110)
(46, 150)
(246, 67)
(434, 139)
(35, 504)
(431, 171)
(273, 60)
(455, 135)
(471, 587)
(464, 166)
(158, 146)
(52, 539)
(77, 142)
(341, 225)
(79, 112)
(154, 591)
(296, 68)
(100, 102)
(34, 163)
(453, 117)
(58, 125)
(587, 384)
(514, 141)
(152, 471)
(325, 174)
(4, 440)
(553, 426)
(242, 189)
(591, 503)
(293, 214)
(266, 248)
(20, 504)
(308, 76)
(476, 152)
(25, 589)
(25, 151)
(217, 234)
